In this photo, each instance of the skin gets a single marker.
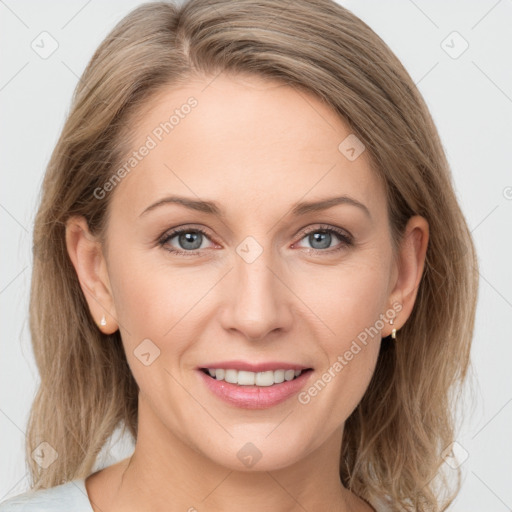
(256, 148)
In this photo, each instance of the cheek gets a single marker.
(354, 312)
(158, 303)
(150, 296)
(349, 298)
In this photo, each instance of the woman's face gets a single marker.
(270, 285)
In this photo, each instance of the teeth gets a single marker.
(231, 376)
(278, 376)
(289, 375)
(264, 378)
(244, 378)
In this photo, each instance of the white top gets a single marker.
(72, 497)
(68, 497)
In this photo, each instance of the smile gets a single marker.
(247, 378)
(254, 390)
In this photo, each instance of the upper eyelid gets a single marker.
(325, 227)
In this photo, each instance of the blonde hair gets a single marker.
(393, 441)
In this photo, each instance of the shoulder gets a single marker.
(68, 497)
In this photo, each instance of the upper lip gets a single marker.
(254, 367)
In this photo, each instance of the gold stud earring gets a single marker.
(393, 332)
(103, 321)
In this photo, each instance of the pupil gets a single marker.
(318, 237)
(190, 238)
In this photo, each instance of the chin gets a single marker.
(260, 454)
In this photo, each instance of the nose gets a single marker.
(258, 304)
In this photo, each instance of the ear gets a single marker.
(86, 254)
(409, 269)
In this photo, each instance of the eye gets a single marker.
(321, 238)
(189, 240)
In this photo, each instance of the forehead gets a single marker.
(248, 143)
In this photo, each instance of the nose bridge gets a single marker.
(257, 296)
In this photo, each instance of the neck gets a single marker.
(165, 472)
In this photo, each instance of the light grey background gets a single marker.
(470, 97)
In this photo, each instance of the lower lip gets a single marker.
(255, 397)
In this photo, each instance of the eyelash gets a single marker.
(346, 240)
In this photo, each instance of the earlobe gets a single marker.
(411, 263)
(86, 254)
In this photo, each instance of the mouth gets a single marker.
(254, 385)
(269, 378)
(247, 389)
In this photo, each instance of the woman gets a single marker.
(250, 254)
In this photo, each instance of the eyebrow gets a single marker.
(302, 208)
